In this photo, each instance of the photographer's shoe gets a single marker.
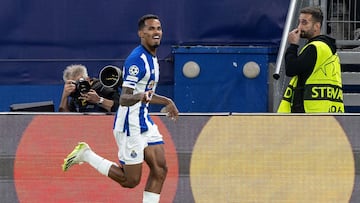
(75, 157)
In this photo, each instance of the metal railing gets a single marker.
(343, 19)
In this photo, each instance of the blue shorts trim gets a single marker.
(156, 143)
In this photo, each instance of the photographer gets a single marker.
(84, 94)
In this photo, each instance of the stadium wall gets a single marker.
(40, 38)
(211, 158)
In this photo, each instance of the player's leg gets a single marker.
(155, 159)
(83, 153)
(154, 156)
(128, 176)
(131, 156)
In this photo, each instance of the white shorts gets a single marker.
(131, 148)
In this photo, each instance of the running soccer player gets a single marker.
(136, 135)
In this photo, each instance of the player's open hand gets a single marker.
(172, 111)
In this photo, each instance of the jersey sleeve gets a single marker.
(133, 71)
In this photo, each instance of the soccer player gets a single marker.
(136, 135)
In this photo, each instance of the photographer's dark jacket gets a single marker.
(78, 105)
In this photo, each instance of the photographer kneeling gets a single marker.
(82, 94)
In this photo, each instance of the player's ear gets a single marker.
(140, 34)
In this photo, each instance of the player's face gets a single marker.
(307, 26)
(151, 34)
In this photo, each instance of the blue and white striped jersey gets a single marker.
(141, 73)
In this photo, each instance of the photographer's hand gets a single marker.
(91, 96)
(69, 87)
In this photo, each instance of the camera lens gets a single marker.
(83, 86)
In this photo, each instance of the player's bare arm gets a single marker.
(127, 98)
(170, 106)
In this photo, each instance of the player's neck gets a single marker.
(151, 50)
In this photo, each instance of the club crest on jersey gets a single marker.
(133, 70)
(133, 154)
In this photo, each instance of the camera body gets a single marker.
(82, 86)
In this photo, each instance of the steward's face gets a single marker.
(307, 27)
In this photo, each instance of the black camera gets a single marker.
(82, 86)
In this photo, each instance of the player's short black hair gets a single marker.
(315, 12)
(141, 22)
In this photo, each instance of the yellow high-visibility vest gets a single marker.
(323, 89)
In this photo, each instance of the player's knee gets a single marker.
(161, 173)
(129, 185)
(131, 182)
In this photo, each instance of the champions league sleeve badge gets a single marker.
(133, 70)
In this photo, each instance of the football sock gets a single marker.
(150, 197)
(99, 163)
